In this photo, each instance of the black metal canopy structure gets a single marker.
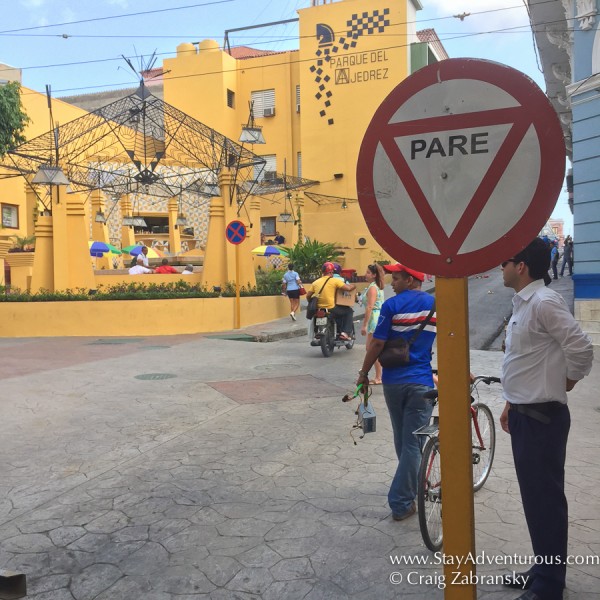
(141, 144)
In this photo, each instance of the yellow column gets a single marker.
(298, 216)
(31, 203)
(254, 210)
(60, 252)
(21, 267)
(214, 271)
(80, 270)
(456, 451)
(174, 231)
(219, 258)
(99, 230)
(127, 233)
(43, 265)
(5, 245)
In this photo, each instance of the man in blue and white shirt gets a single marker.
(405, 386)
(547, 353)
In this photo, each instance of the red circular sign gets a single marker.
(236, 232)
(460, 167)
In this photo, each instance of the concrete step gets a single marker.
(590, 326)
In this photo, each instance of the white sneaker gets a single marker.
(293, 315)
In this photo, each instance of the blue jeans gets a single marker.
(408, 411)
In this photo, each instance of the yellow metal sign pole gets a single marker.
(455, 436)
(238, 317)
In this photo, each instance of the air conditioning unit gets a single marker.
(297, 108)
(269, 112)
(270, 175)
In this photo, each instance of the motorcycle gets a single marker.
(326, 334)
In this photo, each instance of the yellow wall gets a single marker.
(12, 191)
(135, 317)
(360, 77)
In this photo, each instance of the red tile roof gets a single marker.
(242, 52)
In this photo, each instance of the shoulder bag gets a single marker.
(396, 352)
(311, 309)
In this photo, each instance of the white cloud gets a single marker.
(30, 4)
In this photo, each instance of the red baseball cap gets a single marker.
(400, 267)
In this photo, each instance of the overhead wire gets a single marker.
(135, 14)
(514, 29)
(272, 65)
(278, 39)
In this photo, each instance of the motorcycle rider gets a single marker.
(330, 285)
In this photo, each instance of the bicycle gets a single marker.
(429, 481)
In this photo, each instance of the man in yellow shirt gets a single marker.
(326, 287)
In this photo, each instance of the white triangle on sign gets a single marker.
(447, 177)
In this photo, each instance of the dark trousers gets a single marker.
(539, 451)
(555, 269)
(343, 318)
(565, 263)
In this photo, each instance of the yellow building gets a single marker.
(314, 105)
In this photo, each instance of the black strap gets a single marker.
(324, 285)
(422, 326)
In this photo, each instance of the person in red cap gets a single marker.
(403, 315)
(326, 287)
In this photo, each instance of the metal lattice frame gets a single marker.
(141, 144)
(323, 199)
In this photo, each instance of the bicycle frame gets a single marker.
(429, 492)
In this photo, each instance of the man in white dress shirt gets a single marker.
(547, 353)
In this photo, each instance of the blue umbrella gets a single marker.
(98, 249)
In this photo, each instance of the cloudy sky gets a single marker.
(76, 45)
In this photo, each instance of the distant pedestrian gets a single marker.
(554, 256)
(291, 288)
(567, 256)
(372, 299)
(547, 353)
(188, 270)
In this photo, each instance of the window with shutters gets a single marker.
(10, 216)
(263, 103)
(267, 225)
(299, 164)
(230, 99)
(298, 98)
(269, 170)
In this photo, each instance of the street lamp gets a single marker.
(251, 132)
(50, 175)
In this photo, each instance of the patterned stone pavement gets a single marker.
(114, 487)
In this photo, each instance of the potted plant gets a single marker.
(23, 244)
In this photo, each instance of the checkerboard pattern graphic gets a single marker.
(368, 23)
(358, 25)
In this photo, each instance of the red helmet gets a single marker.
(328, 267)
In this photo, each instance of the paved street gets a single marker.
(194, 467)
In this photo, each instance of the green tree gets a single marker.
(13, 118)
(308, 257)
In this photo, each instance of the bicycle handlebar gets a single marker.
(487, 380)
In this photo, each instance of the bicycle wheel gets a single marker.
(429, 495)
(484, 444)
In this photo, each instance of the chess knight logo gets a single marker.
(358, 25)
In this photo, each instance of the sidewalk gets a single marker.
(191, 468)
